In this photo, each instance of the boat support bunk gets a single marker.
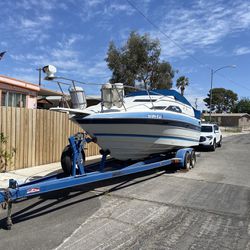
(80, 174)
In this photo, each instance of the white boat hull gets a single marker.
(137, 141)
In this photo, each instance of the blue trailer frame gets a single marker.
(81, 174)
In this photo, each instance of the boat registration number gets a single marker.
(155, 116)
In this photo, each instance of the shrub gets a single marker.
(6, 156)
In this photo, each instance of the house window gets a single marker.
(3, 98)
(12, 99)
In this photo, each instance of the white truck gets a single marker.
(211, 136)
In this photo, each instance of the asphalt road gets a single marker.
(205, 208)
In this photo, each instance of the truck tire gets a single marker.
(213, 147)
(220, 143)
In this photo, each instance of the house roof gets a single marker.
(228, 114)
(28, 85)
(48, 92)
(19, 83)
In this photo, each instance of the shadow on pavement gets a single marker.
(57, 200)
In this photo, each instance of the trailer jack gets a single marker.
(7, 204)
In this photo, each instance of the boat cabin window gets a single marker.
(159, 107)
(174, 109)
(144, 100)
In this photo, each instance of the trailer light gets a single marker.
(175, 161)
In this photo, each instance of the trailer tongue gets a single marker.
(81, 174)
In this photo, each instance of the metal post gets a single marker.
(64, 97)
(104, 154)
(211, 89)
(211, 93)
(40, 76)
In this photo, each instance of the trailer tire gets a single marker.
(187, 161)
(193, 159)
(66, 159)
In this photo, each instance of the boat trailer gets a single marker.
(81, 174)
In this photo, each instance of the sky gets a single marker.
(73, 35)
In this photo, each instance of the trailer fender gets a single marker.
(184, 155)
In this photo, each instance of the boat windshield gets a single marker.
(206, 129)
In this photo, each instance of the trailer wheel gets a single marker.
(187, 161)
(66, 159)
(193, 159)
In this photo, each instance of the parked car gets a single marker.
(211, 136)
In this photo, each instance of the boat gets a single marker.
(141, 124)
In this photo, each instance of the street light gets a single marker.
(211, 88)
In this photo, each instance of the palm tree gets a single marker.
(181, 83)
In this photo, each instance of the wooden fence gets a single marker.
(38, 136)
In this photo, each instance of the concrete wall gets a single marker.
(225, 121)
(230, 121)
(244, 122)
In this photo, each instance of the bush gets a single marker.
(5, 155)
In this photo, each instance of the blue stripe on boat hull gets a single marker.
(146, 136)
(112, 120)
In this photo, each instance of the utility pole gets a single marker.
(210, 99)
(211, 88)
(40, 76)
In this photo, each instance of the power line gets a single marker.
(164, 34)
(179, 46)
(232, 81)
